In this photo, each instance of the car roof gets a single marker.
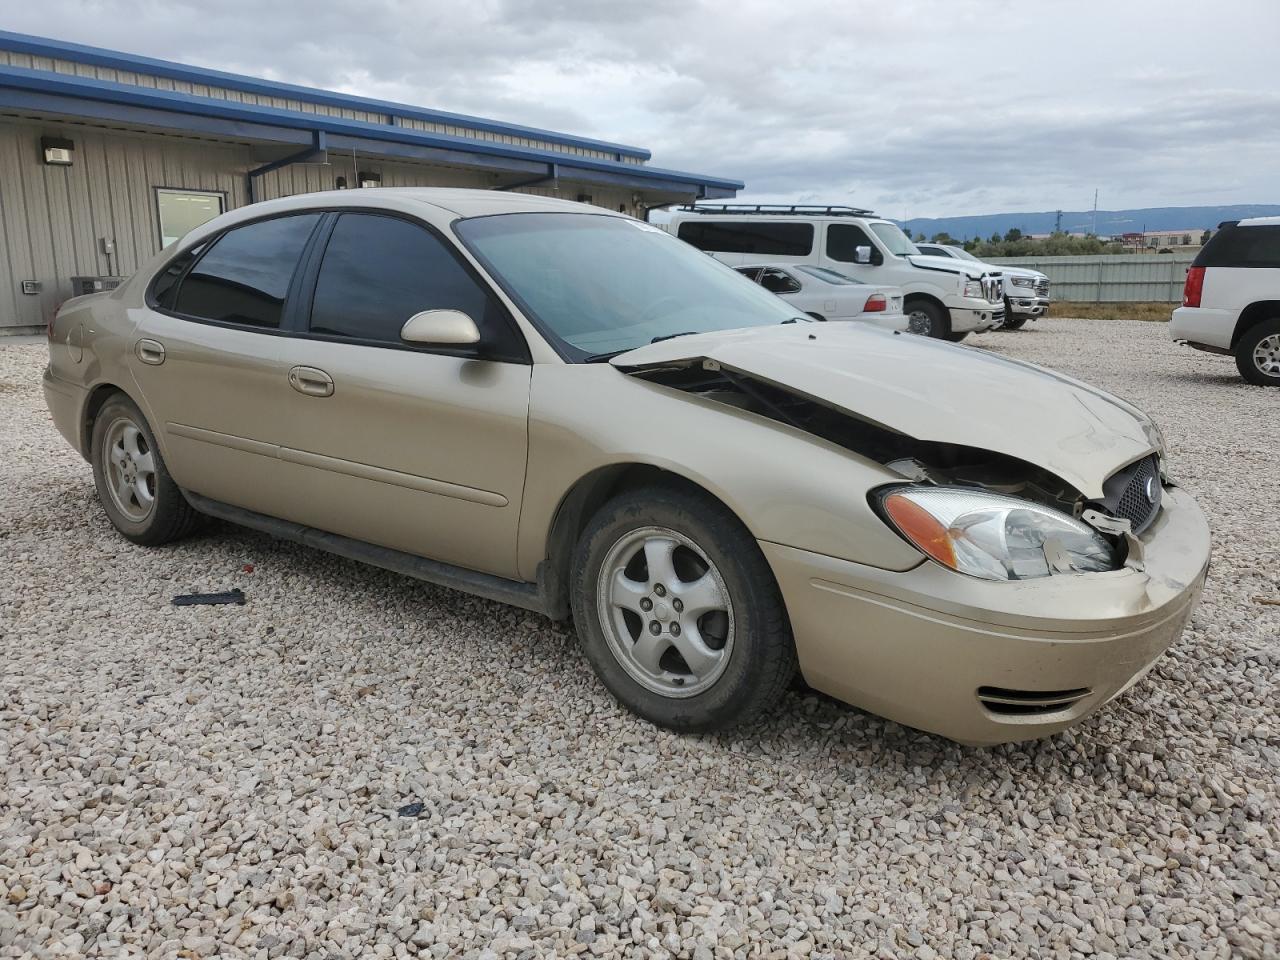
(1260, 222)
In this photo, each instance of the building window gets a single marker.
(181, 211)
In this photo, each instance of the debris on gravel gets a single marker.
(354, 764)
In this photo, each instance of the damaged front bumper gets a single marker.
(986, 662)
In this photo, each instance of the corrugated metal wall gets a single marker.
(52, 217)
(1112, 279)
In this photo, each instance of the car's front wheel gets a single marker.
(1012, 321)
(1258, 353)
(678, 611)
(140, 498)
(928, 319)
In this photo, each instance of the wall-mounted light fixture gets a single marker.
(367, 178)
(57, 151)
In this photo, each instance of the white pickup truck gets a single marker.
(942, 297)
(1026, 292)
(1231, 299)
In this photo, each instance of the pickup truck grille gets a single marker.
(1042, 288)
(993, 289)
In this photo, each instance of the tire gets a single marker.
(922, 312)
(1011, 320)
(742, 657)
(1258, 353)
(956, 337)
(134, 486)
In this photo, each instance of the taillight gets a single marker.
(1194, 286)
(876, 303)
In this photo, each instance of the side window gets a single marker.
(749, 236)
(164, 289)
(932, 251)
(775, 281)
(844, 238)
(246, 273)
(378, 271)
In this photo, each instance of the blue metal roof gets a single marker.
(65, 93)
(81, 53)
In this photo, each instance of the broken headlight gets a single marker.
(995, 537)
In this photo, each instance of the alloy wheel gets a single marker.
(129, 466)
(665, 611)
(918, 322)
(1266, 355)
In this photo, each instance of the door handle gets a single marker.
(311, 381)
(149, 351)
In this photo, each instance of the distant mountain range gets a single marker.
(1110, 222)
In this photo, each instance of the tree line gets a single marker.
(1014, 244)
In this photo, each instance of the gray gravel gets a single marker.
(227, 780)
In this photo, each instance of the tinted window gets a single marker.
(929, 251)
(775, 281)
(843, 238)
(164, 289)
(1242, 247)
(379, 271)
(768, 239)
(245, 275)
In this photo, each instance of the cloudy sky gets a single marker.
(914, 108)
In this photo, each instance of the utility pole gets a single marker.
(1057, 223)
(1095, 211)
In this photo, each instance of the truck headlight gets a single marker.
(1022, 281)
(995, 537)
(973, 289)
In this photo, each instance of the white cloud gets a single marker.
(916, 108)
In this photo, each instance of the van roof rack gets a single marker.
(776, 210)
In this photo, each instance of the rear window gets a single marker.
(749, 236)
(1242, 247)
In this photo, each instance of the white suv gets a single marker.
(1026, 292)
(1231, 300)
(942, 297)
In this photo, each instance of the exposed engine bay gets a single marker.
(919, 461)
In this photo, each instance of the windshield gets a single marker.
(598, 285)
(831, 276)
(894, 240)
(963, 254)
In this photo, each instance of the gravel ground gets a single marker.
(358, 765)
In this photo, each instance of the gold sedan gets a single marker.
(566, 409)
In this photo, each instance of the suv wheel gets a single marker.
(139, 497)
(1258, 353)
(678, 611)
(927, 319)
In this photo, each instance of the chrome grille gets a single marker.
(1042, 288)
(1134, 493)
(992, 289)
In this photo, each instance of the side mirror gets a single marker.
(441, 328)
(862, 254)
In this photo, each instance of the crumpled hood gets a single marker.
(932, 391)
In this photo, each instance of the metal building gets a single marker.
(107, 157)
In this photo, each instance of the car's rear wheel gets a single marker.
(1258, 353)
(139, 497)
(928, 319)
(678, 611)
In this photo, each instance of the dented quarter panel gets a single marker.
(927, 389)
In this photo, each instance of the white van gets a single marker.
(943, 298)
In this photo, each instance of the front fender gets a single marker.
(786, 486)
